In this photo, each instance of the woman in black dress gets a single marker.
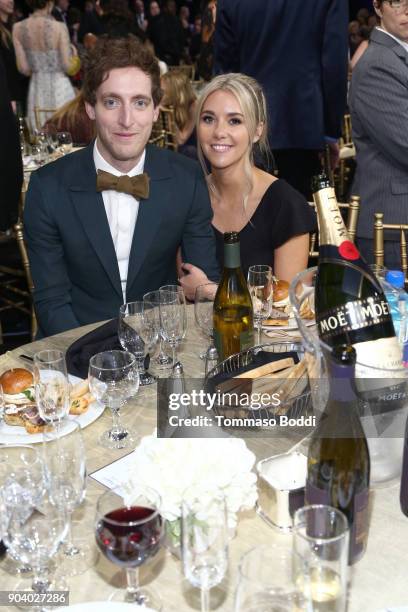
(272, 218)
(16, 83)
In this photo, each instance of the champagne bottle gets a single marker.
(233, 314)
(404, 475)
(338, 458)
(351, 307)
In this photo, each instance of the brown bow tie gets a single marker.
(137, 186)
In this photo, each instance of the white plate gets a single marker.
(291, 327)
(13, 434)
(105, 606)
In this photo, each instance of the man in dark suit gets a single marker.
(60, 11)
(297, 50)
(103, 225)
(378, 105)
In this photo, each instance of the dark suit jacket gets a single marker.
(72, 256)
(297, 50)
(379, 115)
(11, 167)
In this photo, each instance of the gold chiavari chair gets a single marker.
(379, 228)
(353, 209)
(18, 229)
(188, 69)
(164, 129)
(42, 115)
(347, 152)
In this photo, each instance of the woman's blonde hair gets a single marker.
(251, 99)
(179, 94)
(5, 35)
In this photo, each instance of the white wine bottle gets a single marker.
(233, 313)
(338, 458)
(351, 307)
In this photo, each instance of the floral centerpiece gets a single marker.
(172, 467)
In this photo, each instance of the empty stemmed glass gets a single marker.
(204, 540)
(129, 531)
(52, 389)
(138, 333)
(113, 379)
(203, 311)
(260, 285)
(65, 472)
(163, 361)
(173, 318)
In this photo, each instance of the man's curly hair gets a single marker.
(110, 53)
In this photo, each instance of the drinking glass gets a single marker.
(265, 581)
(64, 142)
(129, 532)
(113, 379)
(52, 389)
(203, 311)
(321, 547)
(65, 471)
(39, 153)
(138, 333)
(204, 540)
(33, 539)
(173, 318)
(162, 360)
(260, 285)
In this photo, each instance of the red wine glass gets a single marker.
(129, 531)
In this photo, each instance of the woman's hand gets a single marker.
(192, 277)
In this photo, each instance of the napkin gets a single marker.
(103, 338)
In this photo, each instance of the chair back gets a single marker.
(188, 69)
(379, 227)
(18, 229)
(164, 129)
(42, 115)
(353, 209)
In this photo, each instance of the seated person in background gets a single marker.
(272, 218)
(72, 117)
(103, 224)
(178, 93)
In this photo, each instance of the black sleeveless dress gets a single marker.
(281, 214)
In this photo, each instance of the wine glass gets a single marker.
(162, 360)
(260, 285)
(113, 379)
(204, 540)
(138, 333)
(64, 142)
(173, 318)
(33, 539)
(203, 311)
(52, 389)
(65, 471)
(129, 532)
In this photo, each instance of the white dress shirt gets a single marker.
(121, 210)
(401, 42)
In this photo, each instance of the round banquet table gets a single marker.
(378, 581)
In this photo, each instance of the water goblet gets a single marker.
(129, 531)
(203, 311)
(113, 379)
(265, 581)
(162, 360)
(65, 473)
(52, 389)
(173, 318)
(260, 285)
(204, 540)
(138, 333)
(64, 142)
